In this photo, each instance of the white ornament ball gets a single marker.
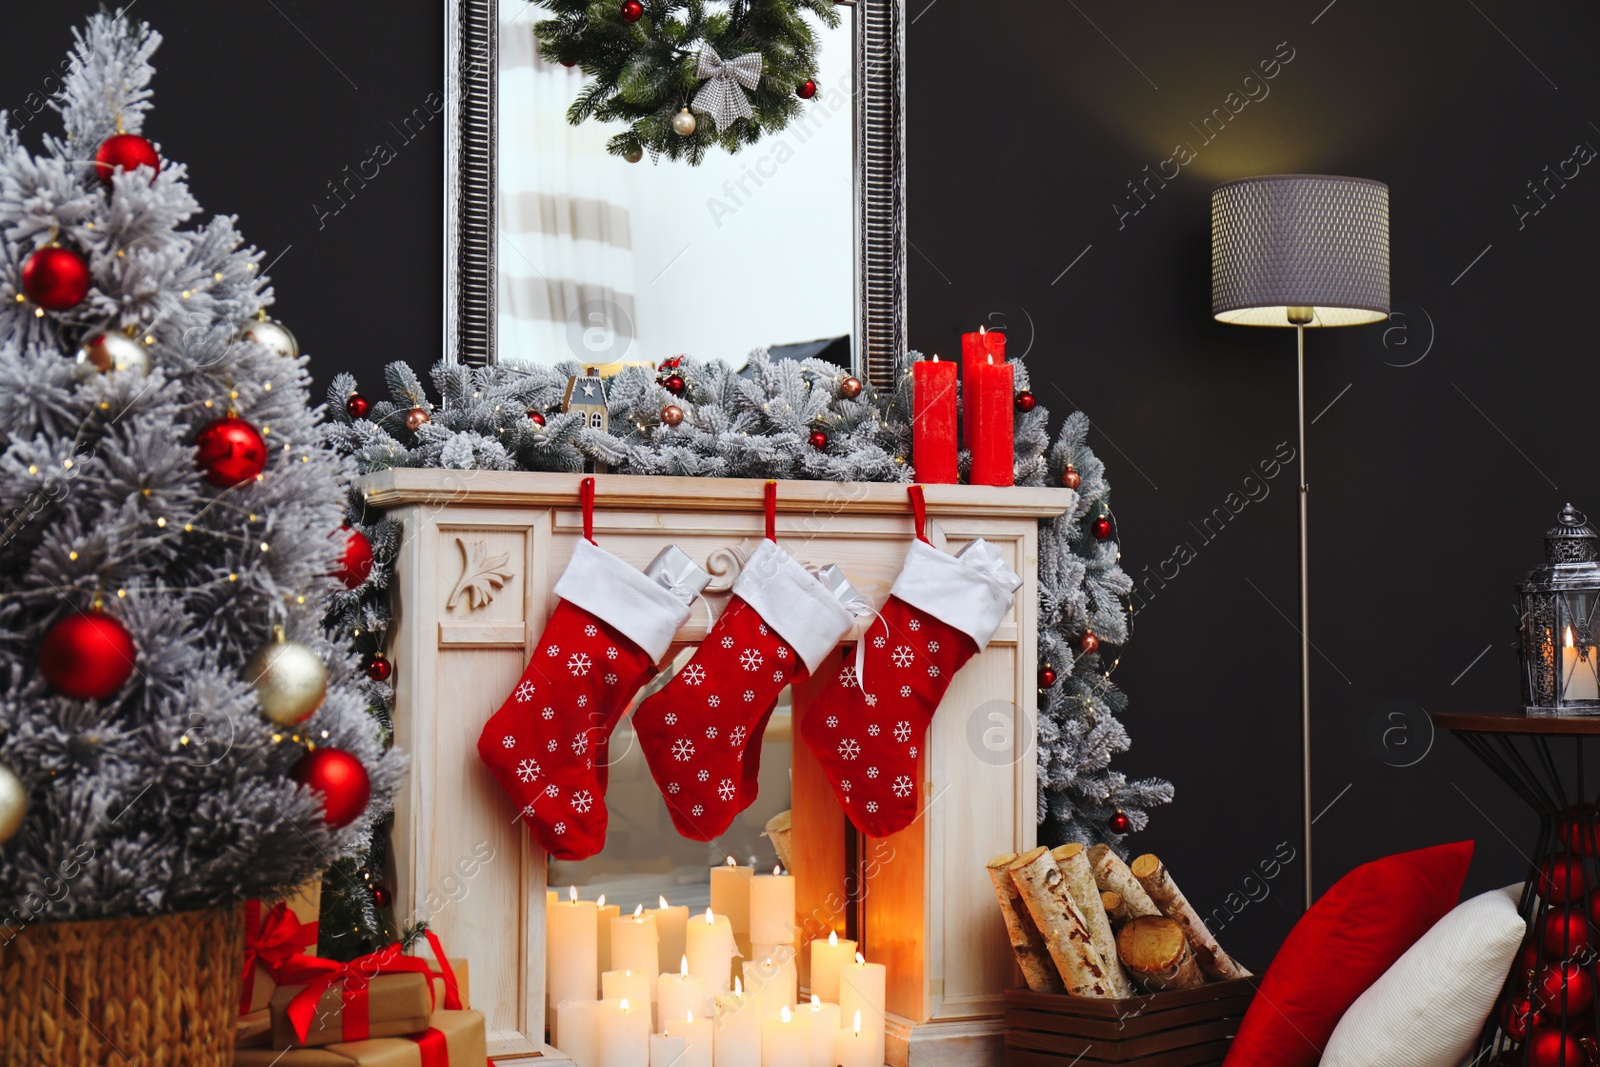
(274, 335)
(683, 123)
(13, 803)
(101, 351)
(290, 680)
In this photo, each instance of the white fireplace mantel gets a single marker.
(481, 551)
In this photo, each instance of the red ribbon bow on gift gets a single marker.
(272, 942)
(356, 974)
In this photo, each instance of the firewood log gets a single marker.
(1113, 876)
(780, 828)
(1032, 955)
(1043, 889)
(1152, 874)
(1086, 895)
(1157, 954)
(1116, 910)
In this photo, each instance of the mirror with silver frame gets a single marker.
(558, 251)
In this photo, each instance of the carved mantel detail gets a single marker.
(482, 576)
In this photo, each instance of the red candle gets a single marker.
(933, 421)
(991, 432)
(976, 348)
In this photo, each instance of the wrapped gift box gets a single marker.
(458, 966)
(396, 1004)
(253, 1030)
(453, 1039)
(305, 904)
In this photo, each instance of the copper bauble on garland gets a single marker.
(380, 897)
(1089, 643)
(87, 655)
(1047, 677)
(1071, 478)
(1119, 823)
(683, 123)
(357, 406)
(850, 388)
(632, 11)
(102, 351)
(13, 803)
(535, 416)
(671, 415)
(289, 678)
(340, 779)
(55, 278)
(1101, 528)
(806, 89)
(673, 383)
(126, 151)
(1026, 401)
(229, 451)
(818, 440)
(417, 418)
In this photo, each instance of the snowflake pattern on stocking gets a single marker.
(750, 659)
(902, 656)
(582, 801)
(579, 663)
(524, 692)
(508, 741)
(872, 731)
(528, 770)
(682, 750)
(694, 674)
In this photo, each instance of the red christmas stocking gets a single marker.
(867, 729)
(701, 733)
(547, 745)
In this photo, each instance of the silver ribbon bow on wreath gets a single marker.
(723, 95)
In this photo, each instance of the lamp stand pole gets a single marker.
(1300, 316)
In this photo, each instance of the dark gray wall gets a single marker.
(1443, 444)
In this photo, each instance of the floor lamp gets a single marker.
(1300, 250)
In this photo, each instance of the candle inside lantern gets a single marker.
(736, 1038)
(976, 348)
(709, 949)
(785, 1039)
(824, 1020)
(855, 1047)
(571, 949)
(681, 993)
(624, 1034)
(603, 915)
(861, 991)
(670, 920)
(633, 947)
(933, 421)
(577, 1031)
(826, 959)
(991, 431)
(1579, 680)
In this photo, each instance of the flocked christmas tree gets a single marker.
(168, 503)
(790, 419)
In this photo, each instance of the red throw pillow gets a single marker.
(1341, 946)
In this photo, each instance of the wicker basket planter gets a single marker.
(153, 992)
(1182, 1028)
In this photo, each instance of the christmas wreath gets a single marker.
(685, 77)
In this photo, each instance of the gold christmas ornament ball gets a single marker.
(416, 418)
(850, 388)
(671, 415)
(290, 680)
(272, 334)
(101, 351)
(13, 804)
(683, 123)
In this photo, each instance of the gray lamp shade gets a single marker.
(1300, 241)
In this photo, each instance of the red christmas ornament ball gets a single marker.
(1561, 878)
(1089, 643)
(416, 418)
(229, 450)
(632, 11)
(806, 89)
(1517, 1015)
(357, 406)
(1047, 677)
(126, 151)
(1564, 988)
(1101, 528)
(1526, 967)
(536, 417)
(1071, 478)
(1026, 401)
(1579, 830)
(379, 669)
(355, 562)
(569, 62)
(55, 278)
(818, 440)
(1564, 933)
(380, 897)
(673, 383)
(1119, 823)
(87, 656)
(1549, 1047)
(342, 781)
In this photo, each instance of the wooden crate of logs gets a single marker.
(1120, 968)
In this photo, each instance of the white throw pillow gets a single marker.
(1428, 1009)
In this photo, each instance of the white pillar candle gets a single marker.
(633, 947)
(677, 994)
(551, 896)
(670, 920)
(824, 1022)
(736, 1035)
(709, 948)
(632, 986)
(624, 1034)
(826, 959)
(785, 1040)
(855, 1047)
(861, 989)
(571, 939)
(1578, 671)
(696, 1030)
(603, 915)
(773, 978)
(730, 895)
(772, 909)
(668, 1050)
(577, 1031)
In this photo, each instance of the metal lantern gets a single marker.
(1560, 675)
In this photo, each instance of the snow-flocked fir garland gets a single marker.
(759, 423)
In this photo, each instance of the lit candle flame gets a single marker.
(572, 893)
(663, 903)
(858, 1024)
(689, 1017)
(732, 862)
(816, 1002)
(709, 917)
(786, 1016)
(683, 966)
(1570, 643)
(624, 1005)
(738, 988)
(861, 961)
(777, 869)
(600, 902)
(833, 938)
(638, 911)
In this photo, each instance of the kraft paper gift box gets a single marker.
(395, 1004)
(263, 953)
(453, 1039)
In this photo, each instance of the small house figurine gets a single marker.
(586, 396)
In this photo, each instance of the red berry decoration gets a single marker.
(1561, 879)
(379, 669)
(1564, 933)
(806, 89)
(342, 781)
(1089, 643)
(126, 151)
(536, 417)
(357, 406)
(1071, 478)
(1549, 1047)
(1047, 677)
(355, 562)
(1564, 989)
(1119, 823)
(55, 278)
(673, 383)
(1026, 401)
(380, 897)
(1101, 528)
(632, 11)
(818, 440)
(87, 655)
(229, 450)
